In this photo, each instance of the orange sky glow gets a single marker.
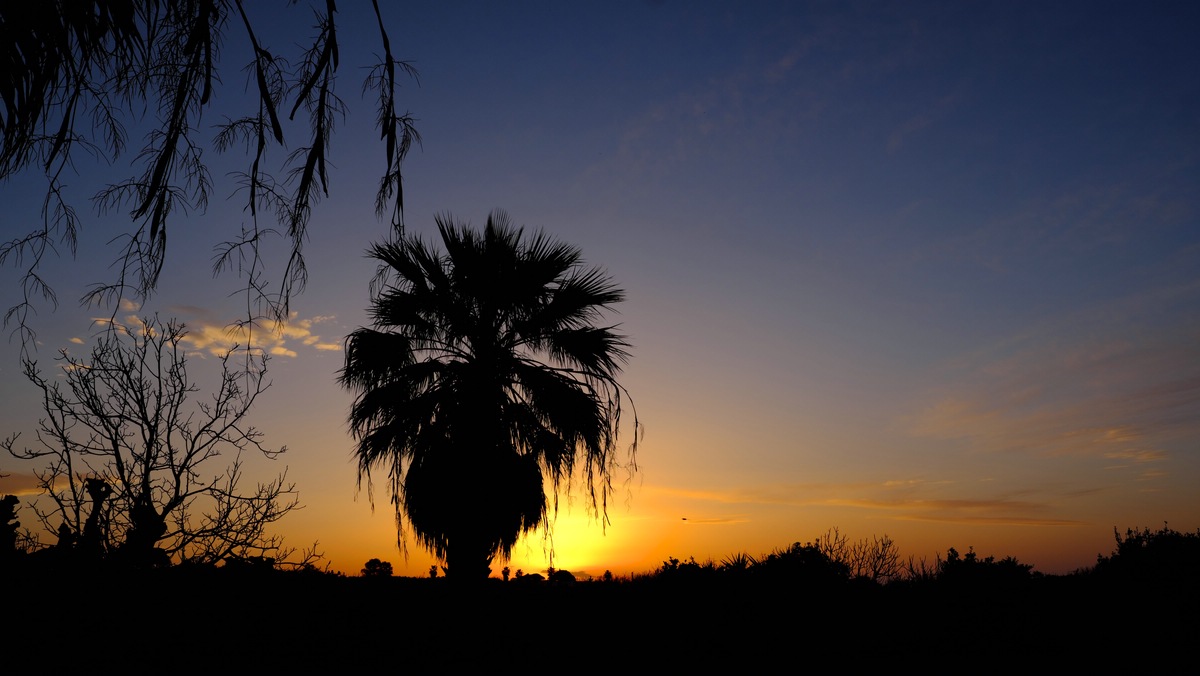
(923, 270)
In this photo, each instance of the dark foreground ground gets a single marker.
(214, 622)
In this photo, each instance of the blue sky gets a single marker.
(924, 269)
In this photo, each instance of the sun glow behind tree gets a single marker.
(895, 271)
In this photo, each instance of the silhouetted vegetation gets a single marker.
(138, 473)
(1163, 558)
(876, 559)
(8, 526)
(969, 569)
(75, 75)
(377, 568)
(794, 608)
(485, 376)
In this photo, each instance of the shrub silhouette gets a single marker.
(689, 570)
(795, 564)
(1164, 557)
(792, 606)
(377, 568)
(803, 562)
(738, 563)
(970, 569)
(8, 526)
(249, 564)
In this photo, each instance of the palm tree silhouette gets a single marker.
(484, 375)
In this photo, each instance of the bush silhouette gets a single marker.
(803, 562)
(8, 525)
(1164, 557)
(970, 569)
(377, 568)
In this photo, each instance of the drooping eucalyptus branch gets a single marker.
(75, 75)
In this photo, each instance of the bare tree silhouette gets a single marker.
(133, 464)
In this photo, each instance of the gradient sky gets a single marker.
(929, 270)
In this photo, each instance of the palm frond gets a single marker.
(484, 375)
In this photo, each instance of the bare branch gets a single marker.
(133, 462)
(75, 80)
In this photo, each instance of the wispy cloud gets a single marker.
(1118, 381)
(911, 499)
(920, 121)
(744, 112)
(19, 483)
(1137, 455)
(208, 334)
(282, 339)
(715, 521)
(992, 521)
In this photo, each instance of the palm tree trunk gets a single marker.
(469, 557)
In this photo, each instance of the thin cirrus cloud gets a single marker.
(19, 483)
(906, 500)
(735, 112)
(968, 520)
(1080, 385)
(915, 124)
(715, 521)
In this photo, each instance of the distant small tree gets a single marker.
(433, 573)
(504, 573)
(377, 568)
(877, 559)
(834, 546)
(134, 466)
